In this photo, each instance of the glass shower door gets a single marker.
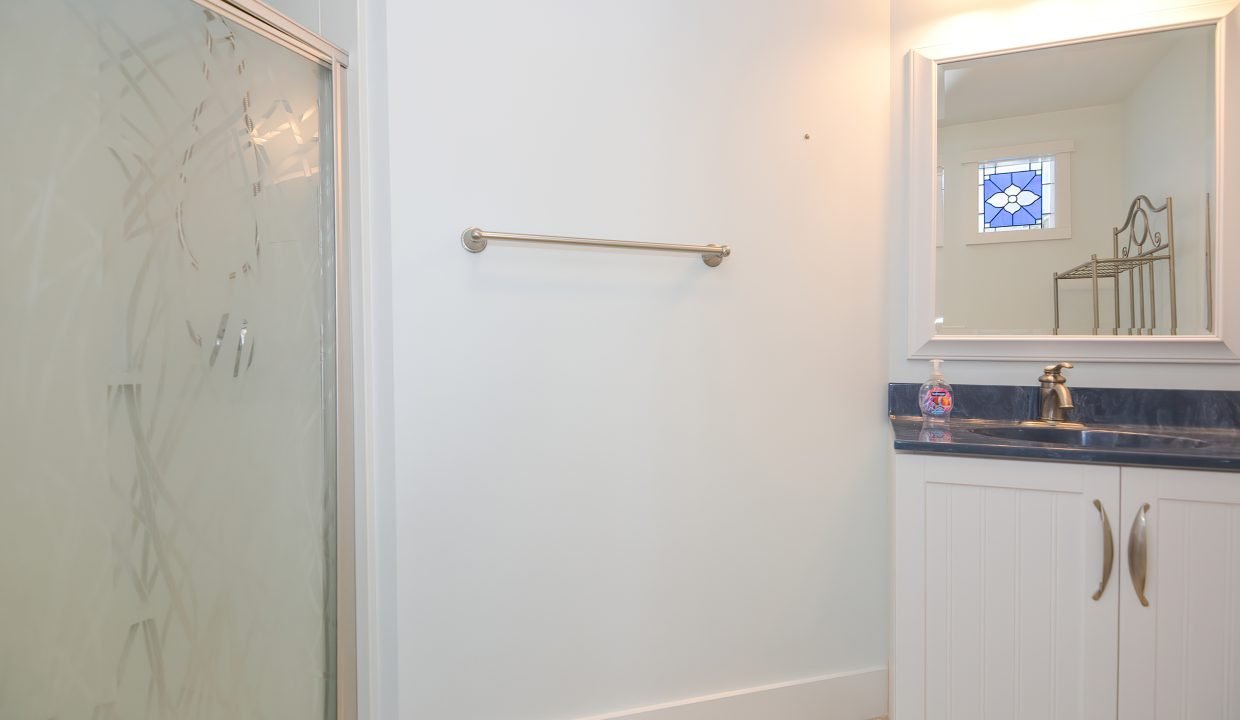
(167, 424)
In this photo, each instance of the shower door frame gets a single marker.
(272, 24)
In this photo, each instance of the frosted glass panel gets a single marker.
(166, 433)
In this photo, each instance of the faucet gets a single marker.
(1055, 396)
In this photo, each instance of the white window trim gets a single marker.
(1062, 151)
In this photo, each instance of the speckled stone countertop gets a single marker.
(1212, 417)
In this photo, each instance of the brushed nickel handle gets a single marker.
(1108, 550)
(1138, 550)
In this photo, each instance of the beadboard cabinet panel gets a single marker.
(1180, 654)
(996, 563)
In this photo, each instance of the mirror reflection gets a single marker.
(1075, 189)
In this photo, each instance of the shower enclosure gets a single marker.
(174, 456)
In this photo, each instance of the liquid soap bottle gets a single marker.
(935, 397)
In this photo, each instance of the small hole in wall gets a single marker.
(807, 136)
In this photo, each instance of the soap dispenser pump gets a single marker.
(935, 397)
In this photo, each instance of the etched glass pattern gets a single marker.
(167, 503)
(1016, 194)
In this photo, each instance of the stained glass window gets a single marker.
(1017, 194)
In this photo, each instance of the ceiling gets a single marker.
(1059, 78)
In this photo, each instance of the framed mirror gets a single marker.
(1068, 198)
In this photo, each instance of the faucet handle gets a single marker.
(1055, 371)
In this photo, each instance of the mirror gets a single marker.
(1076, 189)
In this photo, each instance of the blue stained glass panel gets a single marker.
(998, 183)
(1012, 199)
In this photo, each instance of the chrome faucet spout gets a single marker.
(1063, 396)
(1056, 398)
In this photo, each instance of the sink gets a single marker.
(1086, 437)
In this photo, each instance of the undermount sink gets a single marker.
(1086, 437)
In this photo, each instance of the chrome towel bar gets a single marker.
(475, 241)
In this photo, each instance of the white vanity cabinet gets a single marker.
(1179, 656)
(996, 562)
(996, 609)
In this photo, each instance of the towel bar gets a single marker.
(475, 241)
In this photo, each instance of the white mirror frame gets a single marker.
(1221, 347)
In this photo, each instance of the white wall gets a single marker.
(919, 23)
(336, 20)
(1170, 138)
(1016, 276)
(624, 479)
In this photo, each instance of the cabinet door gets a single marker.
(1180, 654)
(996, 565)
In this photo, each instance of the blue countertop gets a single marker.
(1207, 416)
(959, 437)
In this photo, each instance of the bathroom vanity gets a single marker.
(1042, 570)
(1063, 579)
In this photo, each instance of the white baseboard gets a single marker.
(856, 695)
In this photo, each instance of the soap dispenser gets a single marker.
(935, 397)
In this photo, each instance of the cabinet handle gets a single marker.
(1108, 550)
(1137, 553)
